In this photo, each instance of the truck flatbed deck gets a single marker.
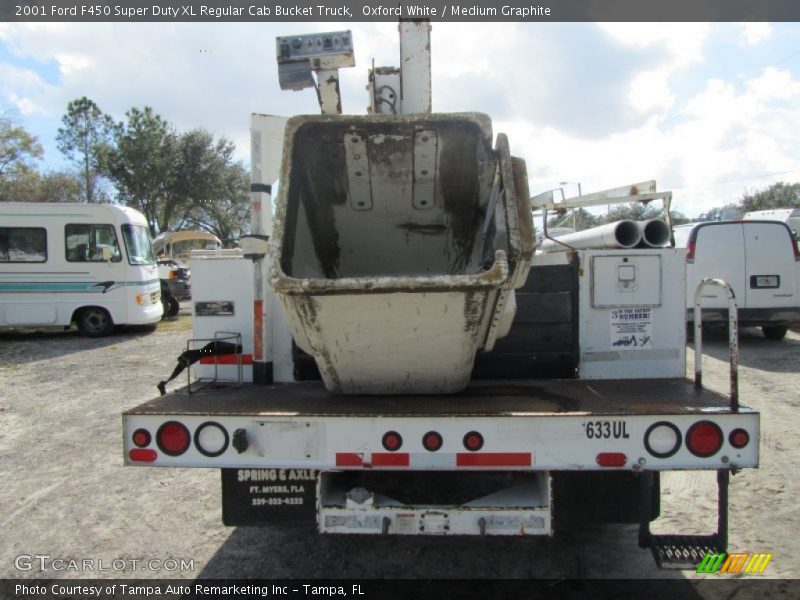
(481, 398)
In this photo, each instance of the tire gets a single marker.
(774, 332)
(94, 322)
(171, 306)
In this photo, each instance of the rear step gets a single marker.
(684, 551)
(687, 551)
(690, 551)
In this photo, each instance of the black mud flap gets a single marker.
(264, 496)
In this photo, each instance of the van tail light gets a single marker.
(690, 255)
(795, 247)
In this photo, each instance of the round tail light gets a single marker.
(141, 438)
(173, 438)
(432, 441)
(473, 441)
(739, 438)
(392, 441)
(704, 439)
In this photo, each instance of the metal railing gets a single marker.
(733, 338)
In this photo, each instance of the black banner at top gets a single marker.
(392, 10)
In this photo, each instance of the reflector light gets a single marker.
(141, 437)
(611, 459)
(142, 455)
(662, 439)
(211, 439)
(473, 441)
(392, 441)
(173, 438)
(432, 441)
(739, 438)
(704, 439)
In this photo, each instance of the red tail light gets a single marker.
(739, 438)
(704, 439)
(173, 438)
(690, 255)
(473, 441)
(141, 437)
(795, 247)
(392, 441)
(432, 441)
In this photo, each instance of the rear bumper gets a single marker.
(751, 317)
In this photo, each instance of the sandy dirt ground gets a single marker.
(65, 493)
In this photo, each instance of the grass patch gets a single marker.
(179, 323)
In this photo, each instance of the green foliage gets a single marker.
(18, 150)
(778, 195)
(86, 135)
(178, 181)
(32, 186)
(142, 163)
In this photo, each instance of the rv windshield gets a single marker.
(137, 243)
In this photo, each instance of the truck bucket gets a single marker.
(397, 243)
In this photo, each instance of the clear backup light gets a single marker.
(211, 439)
(662, 439)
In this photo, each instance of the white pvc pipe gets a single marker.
(622, 234)
(655, 233)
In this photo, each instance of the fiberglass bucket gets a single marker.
(397, 243)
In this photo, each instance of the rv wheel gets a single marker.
(774, 332)
(95, 322)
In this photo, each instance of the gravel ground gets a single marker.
(66, 494)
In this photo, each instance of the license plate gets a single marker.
(765, 281)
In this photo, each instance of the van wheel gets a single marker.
(95, 322)
(171, 306)
(774, 332)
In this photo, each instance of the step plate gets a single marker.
(683, 551)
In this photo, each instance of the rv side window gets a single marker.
(23, 244)
(91, 243)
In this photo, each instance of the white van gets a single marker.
(761, 262)
(88, 264)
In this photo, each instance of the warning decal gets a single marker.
(631, 328)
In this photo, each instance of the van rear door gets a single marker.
(719, 253)
(769, 265)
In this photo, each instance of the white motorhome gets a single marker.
(88, 264)
(759, 259)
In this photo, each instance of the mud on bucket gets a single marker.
(396, 246)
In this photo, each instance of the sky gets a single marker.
(708, 110)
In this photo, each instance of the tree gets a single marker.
(778, 195)
(228, 215)
(177, 180)
(18, 150)
(142, 163)
(87, 132)
(32, 186)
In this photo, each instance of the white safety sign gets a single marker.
(631, 328)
